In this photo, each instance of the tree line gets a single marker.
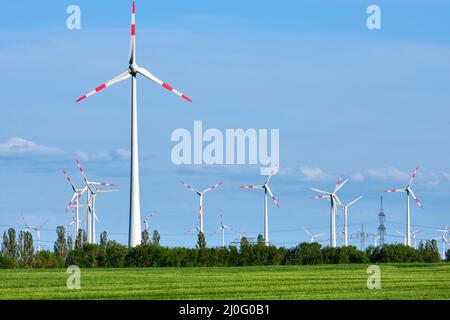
(17, 251)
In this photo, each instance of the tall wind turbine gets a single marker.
(74, 201)
(409, 192)
(134, 237)
(266, 188)
(91, 197)
(345, 207)
(333, 201)
(201, 194)
(313, 236)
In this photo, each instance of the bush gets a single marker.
(46, 259)
(7, 263)
(308, 253)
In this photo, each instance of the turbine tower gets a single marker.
(93, 214)
(134, 237)
(267, 190)
(409, 192)
(345, 207)
(333, 201)
(201, 194)
(381, 227)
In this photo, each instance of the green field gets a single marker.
(398, 281)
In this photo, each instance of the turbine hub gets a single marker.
(134, 68)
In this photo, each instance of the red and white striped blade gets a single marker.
(81, 170)
(189, 187)
(70, 181)
(394, 190)
(150, 76)
(120, 77)
(252, 187)
(133, 34)
(200, 212)
(320, 197)
(103, 184)
(273, 197)
(415, 198)
(338, 183)
(413, 176)
(212, 187)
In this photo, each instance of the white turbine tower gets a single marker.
(134, 238)
(313, 236)
(267, 190)
(91, 197)
(222, 228)
(333, 201)
(201, 194)
(404, 236)
(36, 228)
(74, 201)
(345, 207)
(409, 192)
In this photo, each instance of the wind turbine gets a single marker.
(36, 228)
(91, 196)
(222, 228)
(266, 188)
(93, 215)
(313, 236)
(409, 192)
(375, 239)
(150, 216)
(404, 236)
(333, 200)
(413, 234)
(345, 207)
(201, 194)
(444, 238)
(74, 201)
(134, 238)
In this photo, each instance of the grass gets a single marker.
(398, 281)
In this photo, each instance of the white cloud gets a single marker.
(22, 147)
(386, 174)
(358, 177)
(312, 174)
(123, 154)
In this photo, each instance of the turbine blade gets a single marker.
(252, 187)
(120, 77)
(413, 176)
(338, 187)
(307, 232)
(189, 187)
(273, 197)
(133, 34)
(321, 191)
(212, 187)
(394, 190)
(70, 181)
(150, 76)
(338, 183)
(320, 197)
(354, 201)
(415, 198)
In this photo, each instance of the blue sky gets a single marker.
(367, 103)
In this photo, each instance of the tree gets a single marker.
(447, 255)
(26, 249)
(9, 245)
(145, 237)
(201, 242)
(69, 243)
(156, 237)
(260, 240)
(60, 246)
(103, 239)
(81, 239)
(244, 242)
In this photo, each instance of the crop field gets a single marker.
(398, 281)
